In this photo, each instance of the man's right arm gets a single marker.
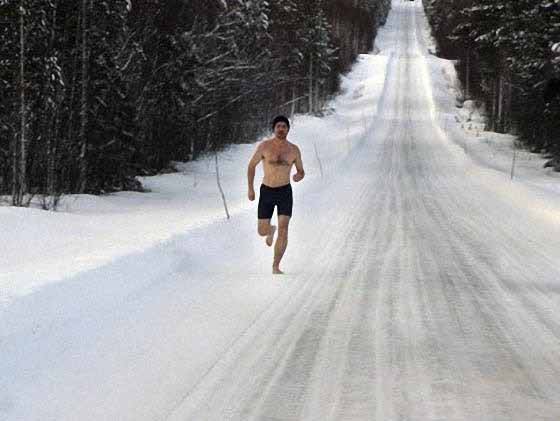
(257, 157)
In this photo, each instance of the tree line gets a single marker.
(95, 92)
(505, 58)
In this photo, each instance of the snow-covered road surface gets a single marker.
(419, 286)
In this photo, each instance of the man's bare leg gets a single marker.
(281, 243)
(267, 230)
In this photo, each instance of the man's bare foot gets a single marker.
(277, 271)
(270, 237)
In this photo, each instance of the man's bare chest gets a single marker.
(279, 157)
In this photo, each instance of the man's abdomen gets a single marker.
(276, 177)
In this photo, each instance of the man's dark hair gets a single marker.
(279, 119)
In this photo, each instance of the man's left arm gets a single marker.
(298, 176)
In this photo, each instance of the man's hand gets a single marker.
(251, 195)
(297, 177)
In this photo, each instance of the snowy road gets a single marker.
(420, 286)
(430, 291)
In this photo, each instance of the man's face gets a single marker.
(281, 130)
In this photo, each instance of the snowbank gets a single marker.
(46, 248)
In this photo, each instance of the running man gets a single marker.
(278, 156)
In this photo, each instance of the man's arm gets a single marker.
(298, 176)
(257, 157)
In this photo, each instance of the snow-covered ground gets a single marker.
(502, 152)
(422, 283)
(89, 232)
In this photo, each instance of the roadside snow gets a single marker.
(44, 248)
(464, 122)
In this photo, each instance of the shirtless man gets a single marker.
(278, 156)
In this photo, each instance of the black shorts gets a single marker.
(275, 196)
